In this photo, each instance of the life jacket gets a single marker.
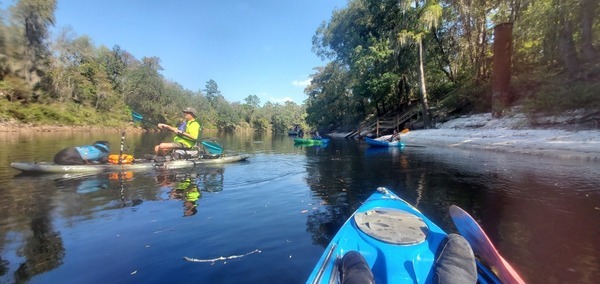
(188, 128)
(192, 194)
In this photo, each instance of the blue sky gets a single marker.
(249, 47)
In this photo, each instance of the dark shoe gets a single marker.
(355, 269)
(456, 262)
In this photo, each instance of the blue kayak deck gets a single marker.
(403, 254)
(383, 143)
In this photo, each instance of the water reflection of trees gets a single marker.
(329, 177)
(208, 178)
(188, 185)
(43, 250)
(39, 198)
(42, 247)
(211, 178)
(343, 177)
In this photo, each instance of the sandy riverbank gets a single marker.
(511, 135)
(24, 127)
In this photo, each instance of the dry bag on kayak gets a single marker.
(125, 159)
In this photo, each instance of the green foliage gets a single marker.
(330, 102)
(473, 94)
(14, 88)
(61, 114)
(376, 66)
(554, 93)
(35, 17)
(457, 55)
(82, 84)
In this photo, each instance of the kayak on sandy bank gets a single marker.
(378, 142)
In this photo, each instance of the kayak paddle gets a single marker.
(139, 118)
(482, 246)
(212, 147)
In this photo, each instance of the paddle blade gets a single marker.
(136, 116)
(212, 147)
(483, 246)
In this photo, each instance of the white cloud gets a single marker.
(280, 100)
(303, 84)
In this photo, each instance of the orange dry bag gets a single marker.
(125, 159)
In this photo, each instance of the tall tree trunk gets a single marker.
(588, 11)
(566, 47)
(482, 43)
(502, 71)
(424, 104)
(446, 60)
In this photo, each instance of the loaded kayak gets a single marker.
(395, 243)
(379, 142)
(137, 165)
(304, 141)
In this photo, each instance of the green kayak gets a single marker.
(302, 141)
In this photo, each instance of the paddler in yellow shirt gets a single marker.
(185, 136)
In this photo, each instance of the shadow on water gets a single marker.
(287, 202)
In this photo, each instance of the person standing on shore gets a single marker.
(183, 138)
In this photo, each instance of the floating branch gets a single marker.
(220, 258)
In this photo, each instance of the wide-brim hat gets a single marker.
(190, 110)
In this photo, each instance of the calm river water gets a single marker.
(268, 220)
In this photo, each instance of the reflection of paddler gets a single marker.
(165, 180)
(187, 189)
(184, 184)
(192, 193)
(179, 190)
(189, 208)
